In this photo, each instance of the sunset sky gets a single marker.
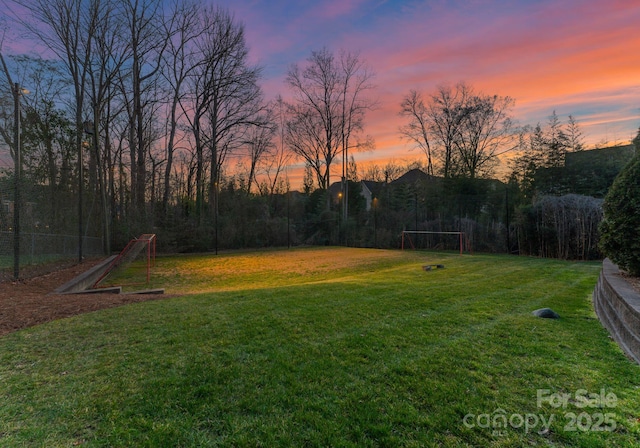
(578, 57)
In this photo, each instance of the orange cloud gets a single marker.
(576, 57)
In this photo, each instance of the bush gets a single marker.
(620, 229)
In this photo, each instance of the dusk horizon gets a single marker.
(573, 58)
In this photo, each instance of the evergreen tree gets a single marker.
(621, 225)
(557, 142)
(574, 135)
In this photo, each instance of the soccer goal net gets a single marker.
(432, 240)
(133, 264)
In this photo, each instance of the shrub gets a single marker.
(620, 229)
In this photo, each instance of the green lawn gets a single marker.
(329, 347)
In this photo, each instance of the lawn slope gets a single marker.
(328, 347)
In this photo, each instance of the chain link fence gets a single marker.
(47, 230)
(42, 252)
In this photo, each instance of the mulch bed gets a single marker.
(31, 301)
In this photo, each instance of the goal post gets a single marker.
(406, 237)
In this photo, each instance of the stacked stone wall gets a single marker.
(617, 305)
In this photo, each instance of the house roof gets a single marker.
(411, 177)
(335, 188)
(372, 185)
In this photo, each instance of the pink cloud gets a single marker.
(576, 57)
(333, 9)
(537, 61)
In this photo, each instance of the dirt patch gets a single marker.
(30, 302)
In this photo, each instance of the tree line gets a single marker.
(150, 115)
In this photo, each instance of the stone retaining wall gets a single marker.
(617, 305)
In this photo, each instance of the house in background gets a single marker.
(370, 189)
(412, 177)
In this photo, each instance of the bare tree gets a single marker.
(146, 43)
(109, 53)
(485, 132)
(328, 109)
(448, 109)
(371, 172)
(259, 145)
(574, 220)
(227, 100)
(313, 131)
(68, 28)
(465, 131)
(182, 28)
(385, 174)
(418, 128)
(279, 157)
(356, 81)
(306, 137)
(435, 125)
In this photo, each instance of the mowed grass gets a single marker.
(328, 347)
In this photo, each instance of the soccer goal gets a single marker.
(137, 258)
(425, 239)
